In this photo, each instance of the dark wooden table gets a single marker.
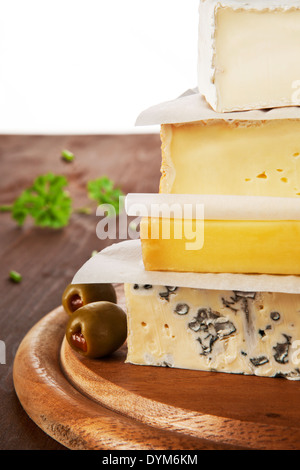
(48, 259)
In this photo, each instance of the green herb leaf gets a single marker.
(45, 201)
(104, 192)
(15, 276)
(67, 155)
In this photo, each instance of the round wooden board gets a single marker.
(112, 405)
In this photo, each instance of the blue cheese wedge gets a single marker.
(248, 53)
(253, 333)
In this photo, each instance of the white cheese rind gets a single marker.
(209, 71)
(224, 331)
(192, 106)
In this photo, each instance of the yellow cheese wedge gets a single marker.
(254, 158)
(267, 247)
(224, 331)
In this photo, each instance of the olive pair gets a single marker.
(97, 325)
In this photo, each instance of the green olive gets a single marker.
(97, 329)
(78, 295)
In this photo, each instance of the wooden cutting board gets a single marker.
(112, 405)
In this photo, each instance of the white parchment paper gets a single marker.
(191, 106)
(215, 207)
(122, 263)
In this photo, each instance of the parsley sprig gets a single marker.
(50, 205)
(103, 191)
(46, 201)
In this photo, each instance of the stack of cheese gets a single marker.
(248, 60)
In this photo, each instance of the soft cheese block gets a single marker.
(225, 246)
(248, 53)
(253, 158)
(226, 331)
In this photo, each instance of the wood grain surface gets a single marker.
(113, 405)
(48, 259)
(74, 419)
(221, 410)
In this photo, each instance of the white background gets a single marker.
(91, 66)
